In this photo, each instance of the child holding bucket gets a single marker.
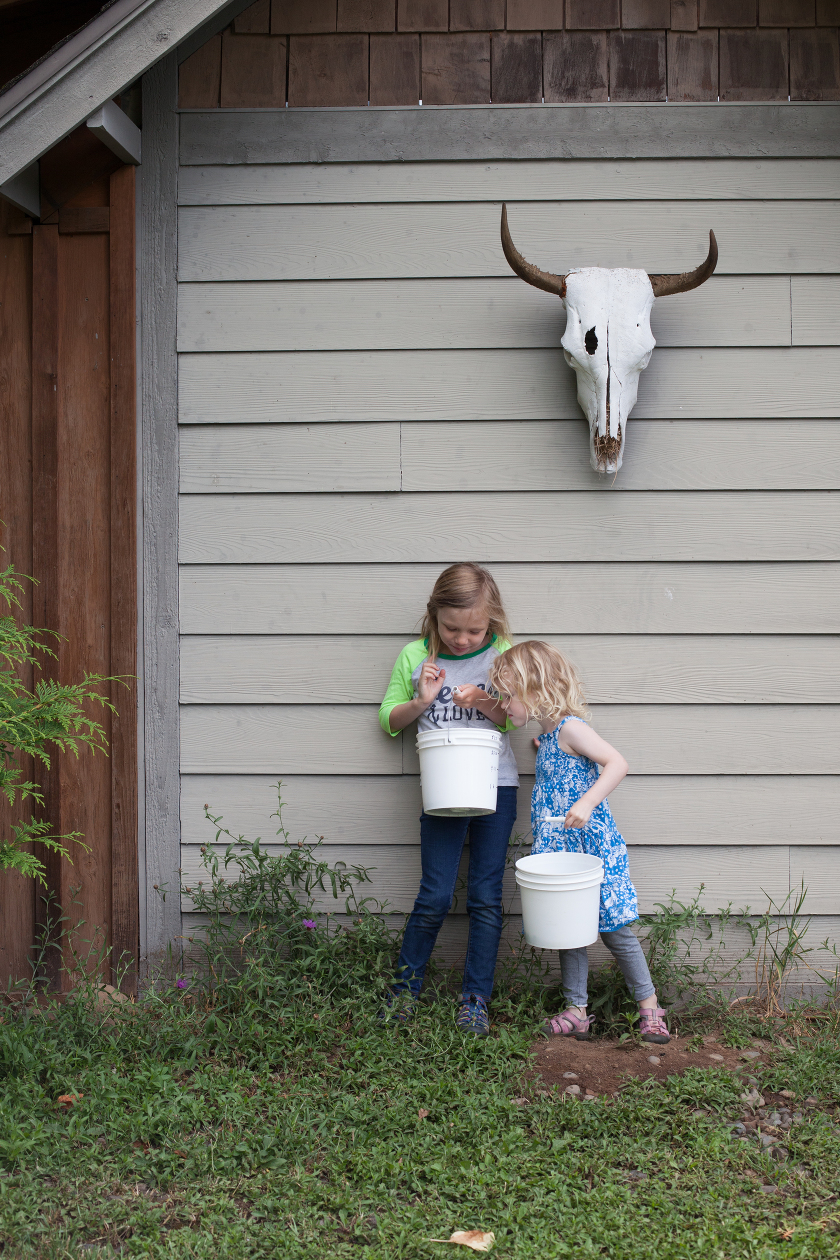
(535, 680)
(441, 680)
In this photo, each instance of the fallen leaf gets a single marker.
(67, 1100)
(422, 1113)
(477, 1239)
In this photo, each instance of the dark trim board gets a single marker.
(459, 133)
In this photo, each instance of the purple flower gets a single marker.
(182, 984)
(310, 924)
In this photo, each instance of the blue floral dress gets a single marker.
(561, 780)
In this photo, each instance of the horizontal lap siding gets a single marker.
(409, 385)
(366, 394)
(507, 455)
(575, 598)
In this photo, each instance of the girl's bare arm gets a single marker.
(581, 741)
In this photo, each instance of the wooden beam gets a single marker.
(45, 596)
(485, 133)
(124, 867)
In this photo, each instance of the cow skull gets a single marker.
(607, 341)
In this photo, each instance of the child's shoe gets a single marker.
(652, 1025)
(570, 1023)
(472, 1015)
(398, 1009)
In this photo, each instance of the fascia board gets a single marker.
(91, 68)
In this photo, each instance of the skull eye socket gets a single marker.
(591, 341)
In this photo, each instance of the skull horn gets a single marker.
(664, 286)
(540, 279)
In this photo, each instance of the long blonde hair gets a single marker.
(465, 585)
(541, 678)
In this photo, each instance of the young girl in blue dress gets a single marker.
(569, 811)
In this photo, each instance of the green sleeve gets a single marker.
(400, 689)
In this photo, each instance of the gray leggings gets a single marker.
(627, 952)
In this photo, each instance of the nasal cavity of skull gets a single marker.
(591, 341)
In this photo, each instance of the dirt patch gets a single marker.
(602, 1066)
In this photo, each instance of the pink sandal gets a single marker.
(569, 1024)
(652, 1025)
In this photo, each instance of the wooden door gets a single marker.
(68, 503)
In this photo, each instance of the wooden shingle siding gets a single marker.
(532, 51)
(341, 320)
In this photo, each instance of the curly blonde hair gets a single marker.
(541, 678)
(464, 585)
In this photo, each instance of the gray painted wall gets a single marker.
(366, 394)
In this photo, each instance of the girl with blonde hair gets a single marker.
(441, 679)
(570, 811)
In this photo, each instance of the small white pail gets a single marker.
(561, 898)
(459, 771)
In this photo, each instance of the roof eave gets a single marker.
(90, 68)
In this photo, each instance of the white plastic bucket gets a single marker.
(561, 898)
(459, 771)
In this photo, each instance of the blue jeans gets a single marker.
(441, 845)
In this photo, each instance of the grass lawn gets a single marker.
(272, 1116)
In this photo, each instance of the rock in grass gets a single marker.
(718, 1058)
(654, 1058)
(751, 1054)
(574, 1090)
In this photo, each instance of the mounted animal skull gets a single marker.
(607, 340)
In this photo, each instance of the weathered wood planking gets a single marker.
(666, 179)
(616, 669)
(496, 132)
(815, 310)
(507, 455)
(649, 809)
(411, 385)
(540, 598)
(457, 314)
(740, 875)
(366, 242)
(656, 739)
(290, 458)
(497, 527)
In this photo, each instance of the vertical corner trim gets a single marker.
(159, 400)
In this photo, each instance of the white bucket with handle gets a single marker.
(459, 771)
(561, 898)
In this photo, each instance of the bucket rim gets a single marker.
(436, 739)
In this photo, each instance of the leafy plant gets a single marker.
(50, 717)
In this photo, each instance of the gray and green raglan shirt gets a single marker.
(461, 671)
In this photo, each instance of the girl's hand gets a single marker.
(430, 682)
(579, 814)
(469, 696)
